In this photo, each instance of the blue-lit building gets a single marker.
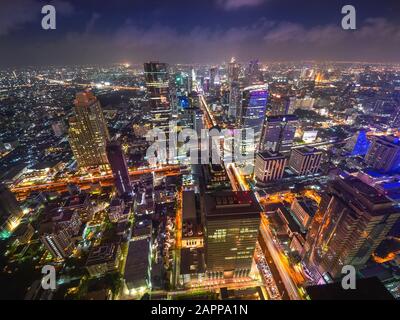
(358, 144)
(251, 114)
(384, 154)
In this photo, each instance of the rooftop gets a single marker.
(268, 154)
(227, 203)
(137, 263)
(362, 196)
(189, 205)
(102, 254)
(366, 289)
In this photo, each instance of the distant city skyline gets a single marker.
(202, 32)
(156, 150)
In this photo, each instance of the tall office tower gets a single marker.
(235, 97)
(119, 167)
(305, 160)
(88, 133)
(232, 221)
(384, 154)
(213, 76)
(251, 115)
(157, 84)
(10, 212)
(355, 222)
(233, 70)
(254, 75)
(278, 133)
(270, 166)
(358, 144)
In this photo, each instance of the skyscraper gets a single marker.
(305, 160)
(356, 220)
(213, 76)
(10, 212)
(233, 70)
(254, 75)
(269, 166)
(251, 114)
(157, 83)
(384, 154)
(232, 221)
(234, 99)
(358, 144)
(119, 167)
(278, 133)
(88, 133)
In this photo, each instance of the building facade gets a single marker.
(269, 166)
(305, 160)
(232, 221)
(355, 221)
(157, 84)
(119, 167)
(88, 133)
(278, 133)
(384, 154)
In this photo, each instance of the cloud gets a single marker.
(237, 4)
(15, 14)
(91, 23)
(374, 40)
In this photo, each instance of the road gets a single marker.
(22, 190)
(269, 277)
(85, 85)
(209, 116)
(275, 254)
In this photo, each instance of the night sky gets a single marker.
(206, 31)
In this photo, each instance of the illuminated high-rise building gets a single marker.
(88, 133)
(251, 114)
(358, 144)
(269, 166)
(235, 97)
(10, 212)
(278, 133)
(213, 77)
(119, 167)
(384, 154)
(355, 221)
(254, 75)
(305, 160)
(232, 221)
(157, 84)
(233, 70)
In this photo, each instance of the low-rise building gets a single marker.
(103, 259)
